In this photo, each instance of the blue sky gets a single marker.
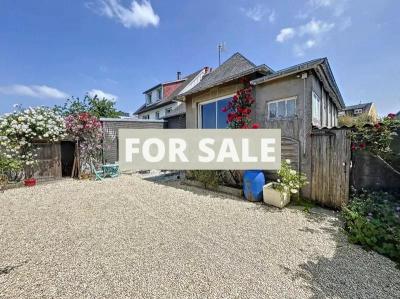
(52, 49)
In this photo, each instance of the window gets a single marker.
(284, 108)
(316, 109)
(157, 115)
(159, 94)
(148, 98)
(146, 116)
(358, 111)
(211, 115)
(168, 110)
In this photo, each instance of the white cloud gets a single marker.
(338, 6)
(101, 94)
(137, 15)
(300, 49)
(285, 34)
(36, 91)
(258, 12)
(306, 36)
(315, 27)
(272, 16)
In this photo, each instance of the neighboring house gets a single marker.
(161, 100)
(176, 118)
(398, 115)
(294, 99)
(360, 109)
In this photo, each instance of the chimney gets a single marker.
(178, 75)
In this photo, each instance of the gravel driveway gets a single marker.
(130, 238)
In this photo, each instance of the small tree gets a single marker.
(94, 105)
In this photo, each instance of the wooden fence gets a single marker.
(330, 167)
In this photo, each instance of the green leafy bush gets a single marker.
(210, 178)
(290, 181)
(373, 221)
(9, 169)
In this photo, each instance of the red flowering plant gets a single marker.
(238, 117)
(376, 138)
(239, 108)
(87, 131)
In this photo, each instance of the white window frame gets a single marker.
(316, 121)
(199, 118)
(281, 100)
(157, 115)
(148, 98)
(159, 94)
(358, 111)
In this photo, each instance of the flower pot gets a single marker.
(274, 197)
(30, 182)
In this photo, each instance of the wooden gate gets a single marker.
(330, 166)
(49, 161)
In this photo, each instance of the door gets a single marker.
(330, 167)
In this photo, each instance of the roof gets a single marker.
(235, 67)
(172, 97)
(322, 67)
(363, 106)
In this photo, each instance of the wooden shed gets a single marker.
(55, 160)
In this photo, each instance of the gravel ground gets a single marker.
(130, 238)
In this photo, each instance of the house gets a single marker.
(360, 109)
(161, 100)
(398, 115)
(296, 100)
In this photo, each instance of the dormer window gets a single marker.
(148, 98)
(358, 111)
(159, 94)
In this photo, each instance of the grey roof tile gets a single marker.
(234, 67)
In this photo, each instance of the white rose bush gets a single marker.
(20, 129)
(290, 181)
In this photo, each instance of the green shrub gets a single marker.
(210, 178)
(373, 221)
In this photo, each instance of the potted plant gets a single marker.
(290, 181)
(29, 181)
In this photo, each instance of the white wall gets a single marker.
(161, 110)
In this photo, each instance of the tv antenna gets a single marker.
(221, 48)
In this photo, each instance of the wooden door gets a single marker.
(49, 161)
(330, 167)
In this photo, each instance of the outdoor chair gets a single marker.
(99, 174)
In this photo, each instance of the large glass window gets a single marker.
(212, 116)
(284, 108)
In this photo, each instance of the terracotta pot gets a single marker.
(30, 182)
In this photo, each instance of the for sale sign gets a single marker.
(190, 149)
